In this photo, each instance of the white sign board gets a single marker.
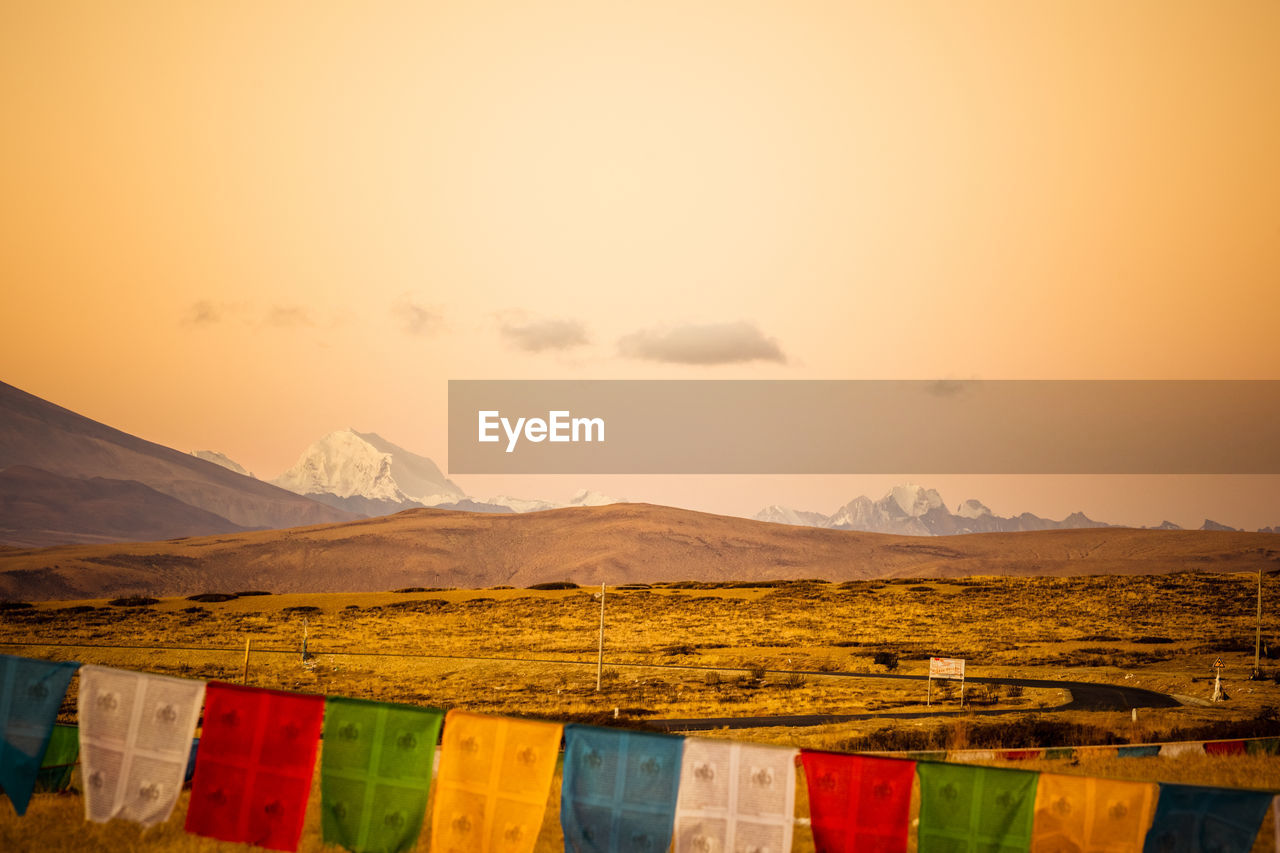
(952, 668)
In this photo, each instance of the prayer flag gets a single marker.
(1141, 751)
(31, 692)
(858, 803)
(1225, 747)
(1176, 750)
(735, 796)
(1190, 819)
(59, 760)
(967, 809)
(1262, 745)
(253, 771)
(135, 733)
(619, 792)
(1077, 814)
(495, 777)
(375, 772)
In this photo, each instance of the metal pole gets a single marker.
(248, 643)
(928, 702)
(600, 654)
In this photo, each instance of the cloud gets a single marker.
(542, 335)
(711, 343)
(288, 316)
(203, 313)
(415, 320)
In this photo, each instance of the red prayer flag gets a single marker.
(858, 803)
(1225, 747)
(253, 770)
(1020, 754)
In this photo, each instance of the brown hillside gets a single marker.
(38, 509)
(38, 434)
(620, 543)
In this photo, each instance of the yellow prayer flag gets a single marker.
(495, 776)
(1077, 814)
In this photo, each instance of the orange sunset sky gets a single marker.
(240, 226)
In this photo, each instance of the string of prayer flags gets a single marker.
(1140, 751)
(375, 772)
(135, 733)
(735, 796)
(59, 760)
(1190, 819)
(967, 809)
(31, 692)
(1078, 813)
(254, 768)
(493, 785)
(619, 791)
(858, 803)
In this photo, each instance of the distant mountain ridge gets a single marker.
(911, 510)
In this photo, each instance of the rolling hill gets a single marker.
(618, 543)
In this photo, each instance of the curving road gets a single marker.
(1085, 696)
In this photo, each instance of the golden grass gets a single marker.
(1111, 630)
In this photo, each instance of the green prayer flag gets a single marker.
(375, 771)
(60, 758)
(967, 809)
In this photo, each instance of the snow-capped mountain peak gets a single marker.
(914, 500)
(348, 464)
(221, 459)
(587, 497)
(973, 508)
(779, 514)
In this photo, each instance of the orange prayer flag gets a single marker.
(1084, 815)
(495, 777)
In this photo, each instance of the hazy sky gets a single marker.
(241, 226)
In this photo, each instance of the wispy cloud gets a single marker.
(711, 343)
(204, 313)
(288, 316)
(541, 335)
(415, 320)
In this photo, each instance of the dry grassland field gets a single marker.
(704, 650)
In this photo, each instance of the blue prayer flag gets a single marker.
(31, 693)
(619, 790)
(1191, 819)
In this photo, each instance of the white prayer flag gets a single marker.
(135, 739)
(735, 796)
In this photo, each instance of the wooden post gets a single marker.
(248, 643)
(600, 653)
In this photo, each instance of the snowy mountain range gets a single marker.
(364, 473)
(912, 510)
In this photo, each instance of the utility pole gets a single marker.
(1257, 640)
(600, 654)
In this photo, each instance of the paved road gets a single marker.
(1084, 697)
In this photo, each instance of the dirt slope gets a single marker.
(620, 543)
